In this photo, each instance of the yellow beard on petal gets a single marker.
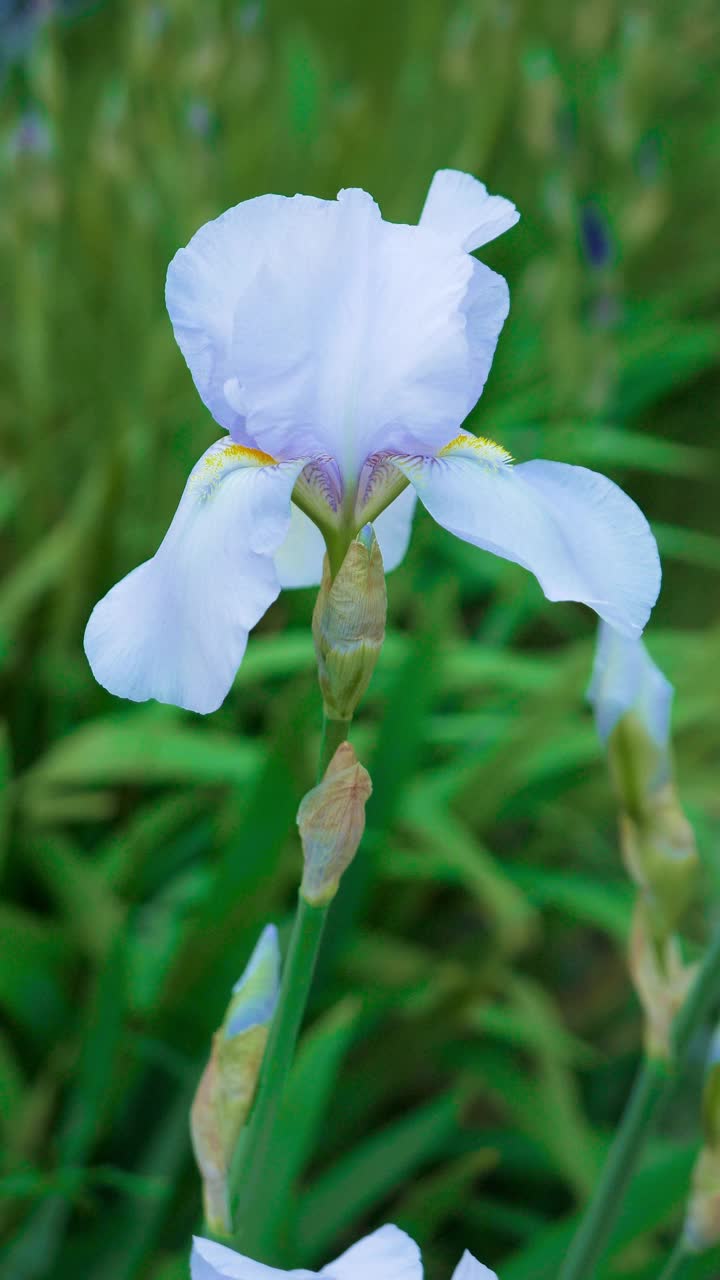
(223, 458)
(242, 456)
(478, 447)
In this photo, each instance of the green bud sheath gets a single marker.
(349, 626)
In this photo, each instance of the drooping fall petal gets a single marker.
(175, 628)
(581, 536)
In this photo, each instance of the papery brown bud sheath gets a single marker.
(331, 821)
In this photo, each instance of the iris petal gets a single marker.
(393, 528)
(387, 1254)
(625, 678)
(175, 629)
(468, 1268)
(460, 207)
(582, 537)
(314, 326)
(299, 560)
(212, 1261)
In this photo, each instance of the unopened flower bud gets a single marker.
(629, 692)
(331, 820)
(349, 625)
(661, 978)
(632, 702)
(225, 1092)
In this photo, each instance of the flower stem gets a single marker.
(334, 732)
(257, 1145)
(622, 1160)
(674, 1265)
(651, 1090)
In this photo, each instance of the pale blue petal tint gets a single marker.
(300, 558)
(468, 1268)
(625, 678)
(582, 537)
(458, 206)
(387, 1254)
(393, 528)
(255, 994)
(175, 629)
(212, 1261)
(314, 326)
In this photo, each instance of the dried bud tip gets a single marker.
(331, 821)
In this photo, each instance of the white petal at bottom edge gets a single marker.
(468, 1268)
(582, 537)
(212, 1261)
(175, 629)
(387, 1254)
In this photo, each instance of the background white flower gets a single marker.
(387, 1254)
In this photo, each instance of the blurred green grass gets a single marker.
(474, 1034)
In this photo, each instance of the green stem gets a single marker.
(702, 994)
(334, 732)
(651, 1090)
(675, 1262)
(589, 1242)
(258, 1144)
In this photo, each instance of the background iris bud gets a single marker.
(349, 625)
(632, 700)
(227, 1086)
(331, 821)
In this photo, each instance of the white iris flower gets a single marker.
(342, 353)
(387, 1254)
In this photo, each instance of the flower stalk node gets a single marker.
(661, 978)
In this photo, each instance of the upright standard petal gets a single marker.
(468, 1268)
(206, 284)
(175, 628)
(212, 1261)
(459, 207)
(387, 1254)
(625, 678)
(316, 327)
(581, 536)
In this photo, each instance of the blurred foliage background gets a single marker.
(474, 1034)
